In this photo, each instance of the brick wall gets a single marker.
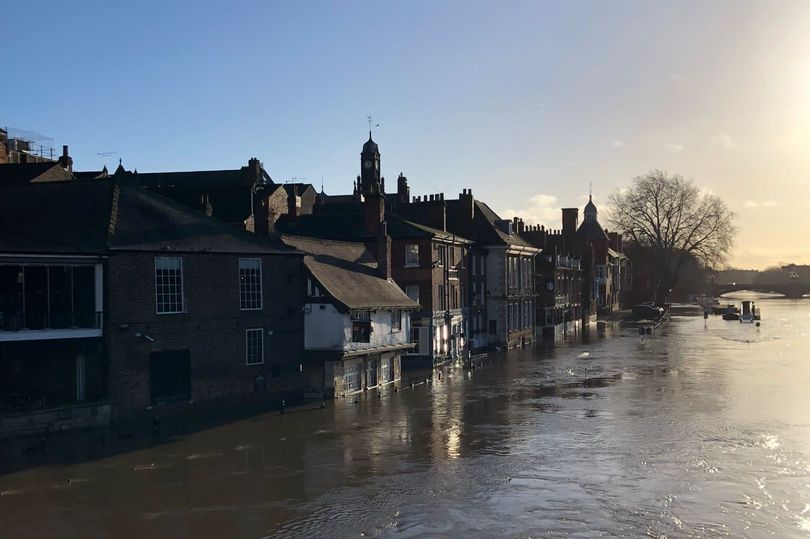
(212, 328)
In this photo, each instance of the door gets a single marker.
(371, 373)
(170, 375)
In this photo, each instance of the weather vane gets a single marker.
(371, 123)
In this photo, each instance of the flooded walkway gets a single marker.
(693, 432)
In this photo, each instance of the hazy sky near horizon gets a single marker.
(527, 103)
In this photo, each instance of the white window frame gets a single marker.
(260, 333)
(313, 290)
(409, 263)
(158, 303)
(248, 296)
(396, 316)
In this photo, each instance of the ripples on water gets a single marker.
(694, 432)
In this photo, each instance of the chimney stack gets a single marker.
(467, 203)
(255, 171)
(403, 191)
(66, 161)
(374, 212)
(293, 203)
(437, 214)
(261, 213)
(383, 251)
(570, 220)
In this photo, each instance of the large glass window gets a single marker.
(396, 320)
(47, 297)
(168, 284)
(254, 346)
(250, 284)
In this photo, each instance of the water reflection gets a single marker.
(696, 431)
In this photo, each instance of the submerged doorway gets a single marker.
(170, 375)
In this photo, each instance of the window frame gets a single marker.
(396, 316)
(244, 295)
(182, 302)
(409, 263)
(248, 332)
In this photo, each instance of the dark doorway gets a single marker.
(170, 374)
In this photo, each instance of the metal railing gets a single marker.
(41, 320)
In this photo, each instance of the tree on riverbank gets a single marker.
(674, 221)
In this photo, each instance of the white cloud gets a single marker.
(539, 209)
(724, 140)
(672, 147)
(763, 204)
(618, 143)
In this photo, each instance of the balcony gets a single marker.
(38, 325)
(50, 301)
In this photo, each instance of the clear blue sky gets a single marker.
(525, 102)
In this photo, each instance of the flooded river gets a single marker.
(694, 432)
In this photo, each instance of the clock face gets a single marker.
(367, 164)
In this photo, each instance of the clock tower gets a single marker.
(370, 179)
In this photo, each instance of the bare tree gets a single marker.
(675, 221)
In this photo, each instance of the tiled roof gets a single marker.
(347, 271)
(199, 178)
(351, 226)
(28, 172)
(97, 216)
(482, 228)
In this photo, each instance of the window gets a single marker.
(412, 291)
(416, 333)
(387, 370)
(351, 378)
(412, 254)
(250, 284)
(442, 255)
(452, 256)
(396, 320)
(254, 346)
(442, 298)
(313, 290)
(453, 297)
(361, 326)
(168, 284)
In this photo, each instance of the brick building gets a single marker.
(147, 302)
(428, 262)
(558, 277)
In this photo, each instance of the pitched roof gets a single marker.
(590, 229)
(146, 221)
(29, 172)
(351, 227)
(55, 217)
(347, 271)
(198, 178)
(483, 227)
(102, 215)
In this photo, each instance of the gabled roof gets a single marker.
(103, 215)
(482, 228)
(347, 271)
(31, 172)
(297, 188)
(351, 226)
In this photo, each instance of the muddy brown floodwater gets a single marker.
(694, 432)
